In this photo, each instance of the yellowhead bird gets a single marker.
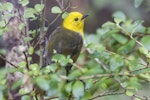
(67, 39)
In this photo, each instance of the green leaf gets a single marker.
(25, 97)
(28, 38)
(37, 52)
(74, 74)
(8, 6)
(148, 30)
(53, 67)
(92, 38)
(1, 31)
(97, 47)
(105, 82)
(108, 24)
(2, 23)
(45, 70)
(78, 90)
(1, 95)
(29, 13)
(134, 27)
(141, 71)
(12, 70)
(146, 42)
(22, 64)
(8, 15)
(31, 50)
(29, 58)
(89, 84)
(53, 84)
(143, 50)
(103, 86)
(121, 39)
(24, 2)
(118, 20)
(3, 51)
(129, 93)
(120, 16)
(137, 3)
(21, 26)
(137, 27)
(61, 59)
(16, 84)
(23, 91)
(115, 62)
(134, 83)
(42, 83)
(56, 10)
(68, 87)
(34, 67)
(39, 7)
(137, 99)
(64, 15)
(101, 31)
(128, 47)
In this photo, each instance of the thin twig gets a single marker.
(51, 98)
(132, 71)
(130, 35)
(39, 41)
(103, 75)
(141, 97)
(26, 58)
(77, 66)
(60, 4)
(107, 94)
(98, 76)
(96, 59)
(8, 61)
(63, 10)
(94, 76)
(6, 23)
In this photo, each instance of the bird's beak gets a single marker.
(84, 16)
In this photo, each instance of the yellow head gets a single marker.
(75, 22)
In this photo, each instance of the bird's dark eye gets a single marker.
(76, 19)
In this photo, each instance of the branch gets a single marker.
(96, 59)
(8, 61)
(98, 76)
(141, 97)
(60, 4)
(103, 75)
(51, 98)
(107, 94)
(26, 58)
(63, 10)
(77, 66)
(139, 69)
(130, 35)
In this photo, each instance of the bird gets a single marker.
(67, 39)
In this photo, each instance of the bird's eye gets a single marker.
(76, 19)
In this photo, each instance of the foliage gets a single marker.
(3, 87)
(114, 60)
